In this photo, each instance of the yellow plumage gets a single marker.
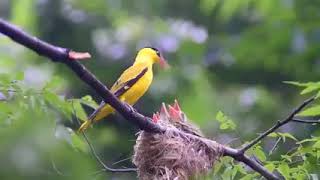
(132, 84)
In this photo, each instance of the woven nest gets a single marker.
(172, 155)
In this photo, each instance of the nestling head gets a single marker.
(153, 54)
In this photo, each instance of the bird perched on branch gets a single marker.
(131, 85)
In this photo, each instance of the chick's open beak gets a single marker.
(163, 63)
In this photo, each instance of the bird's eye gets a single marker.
(158, 53)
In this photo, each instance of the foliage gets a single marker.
(225, 122)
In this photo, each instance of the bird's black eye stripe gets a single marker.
(156, 50)
(158, 53)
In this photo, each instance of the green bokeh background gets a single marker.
(228, 55)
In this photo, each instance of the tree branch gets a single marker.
(252, 163)
(64, 55)
(278, 124)
(306, 121)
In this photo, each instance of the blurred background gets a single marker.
(226, 55)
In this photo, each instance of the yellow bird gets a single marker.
(131, 85)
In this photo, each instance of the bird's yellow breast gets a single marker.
(139, 88)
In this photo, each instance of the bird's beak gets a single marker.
(163, 63)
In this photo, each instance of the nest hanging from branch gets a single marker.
(172, 155)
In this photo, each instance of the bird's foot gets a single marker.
(132, 109)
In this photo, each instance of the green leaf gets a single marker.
(248, 177)
(87, 100)
(297, 174)
(240, 168)
(309, 86)
(288, 135)
(317, 95)
(270, 166)
(310, 89)
(217, 167)
(78, 143)
(52, 98)
(306, 150)
(284, 170)
(307, 140)
(78, 110)
(53, 84)
(312, 111)
(283, 136)
(229, 173)
(220, 117)
(225, 122)
(296, 83)
(286, 158)
(259, 153)
(224, 126)
(316, 145)
(273, 135)
(58, 103)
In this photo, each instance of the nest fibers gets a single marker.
(172, 155)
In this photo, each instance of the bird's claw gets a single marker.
(132, 110)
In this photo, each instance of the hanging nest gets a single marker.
(172, 155)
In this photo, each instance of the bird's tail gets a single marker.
(98, 114)
(84, 126)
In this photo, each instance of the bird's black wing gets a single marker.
(127, 85)
(120, 91)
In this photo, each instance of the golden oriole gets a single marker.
(131, 85)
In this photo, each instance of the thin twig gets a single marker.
(306, 121)
(296, 161)
(275, 145)
(94, 153)
(292, 150)
(232, 141)
(56, 169)
(122, 160)
(278, 124)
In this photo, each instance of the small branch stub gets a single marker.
(79, 55)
